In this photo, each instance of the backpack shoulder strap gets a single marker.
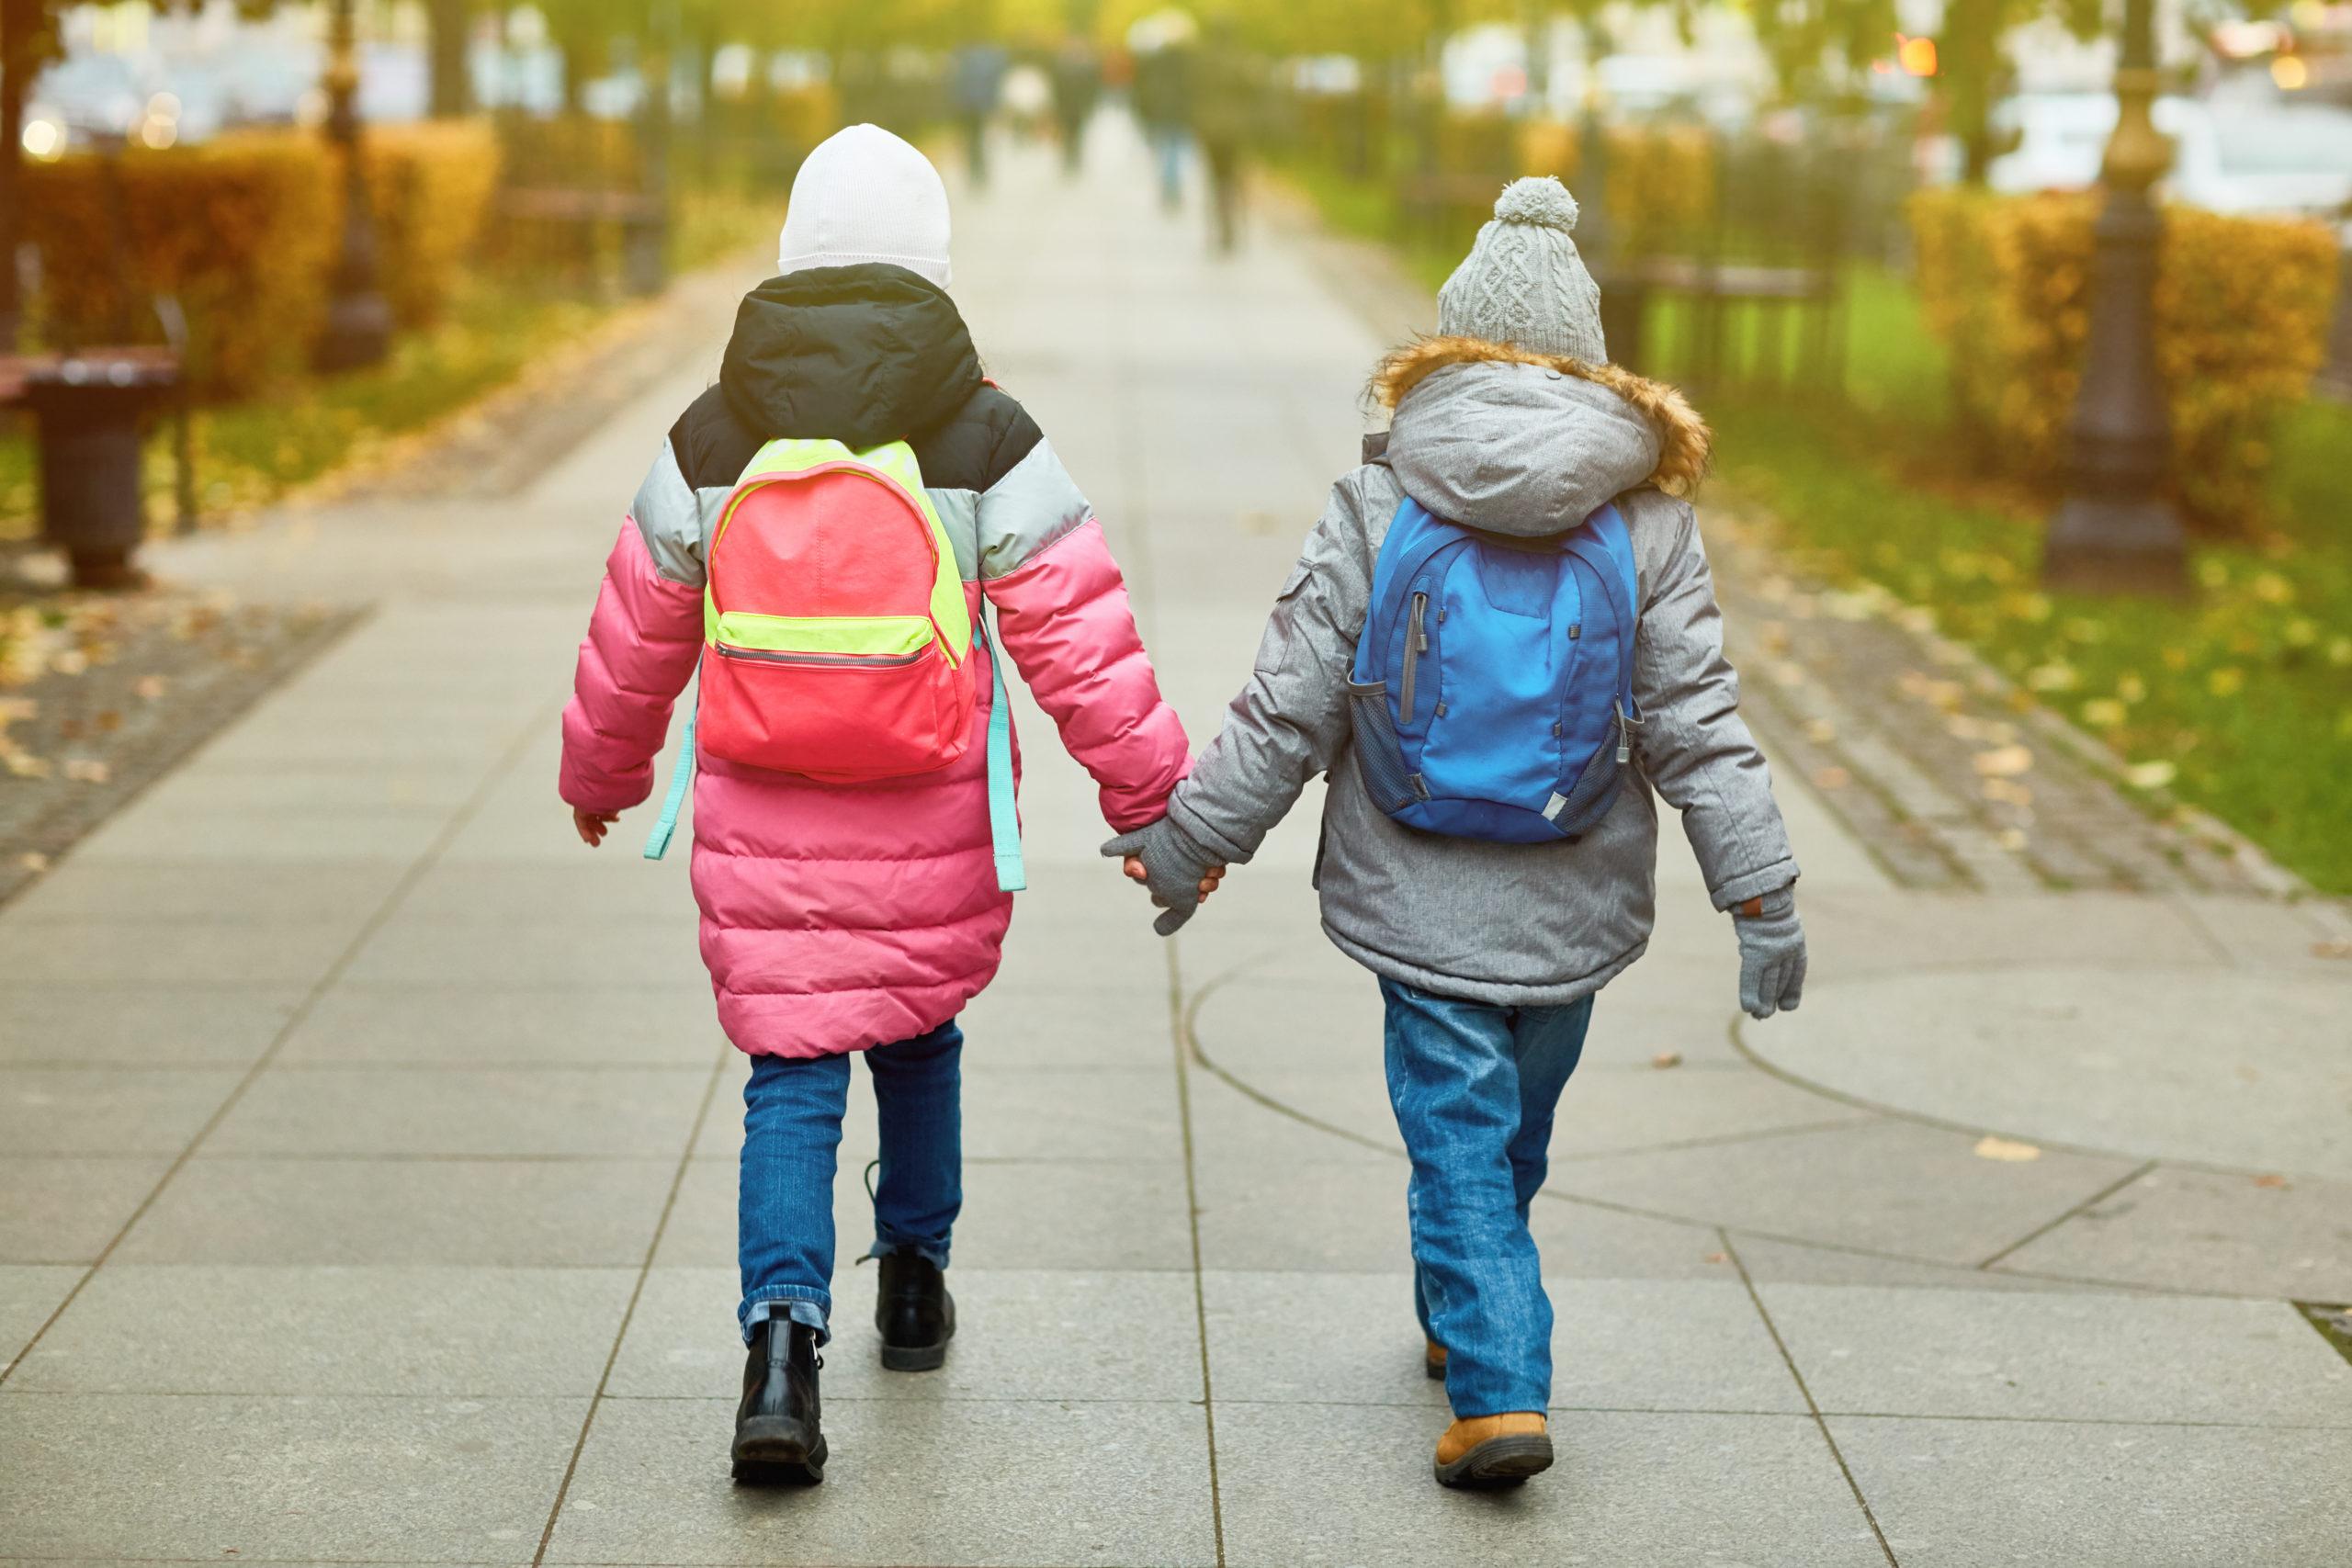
(657, 842)
(1004, 816)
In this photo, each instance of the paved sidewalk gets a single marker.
(366, 1145)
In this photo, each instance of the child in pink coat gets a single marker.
(845, 919)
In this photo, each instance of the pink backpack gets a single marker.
(837, 644)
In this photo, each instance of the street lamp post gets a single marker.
(359, 319)
(2117, 531)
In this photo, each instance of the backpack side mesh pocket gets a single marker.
(1380, 757)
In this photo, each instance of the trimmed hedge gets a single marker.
(243, 232)
(239, 230)
(2242, 307)
(431, 186)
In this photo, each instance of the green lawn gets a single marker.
(2239, 701)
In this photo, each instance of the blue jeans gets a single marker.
(792, 1135)
(1474, 1088)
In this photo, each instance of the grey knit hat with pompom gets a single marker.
(1523, 283)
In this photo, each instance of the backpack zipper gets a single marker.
(819, 661)
(1417, 642)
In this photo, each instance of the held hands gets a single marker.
(1771, 953)
(1179, 874)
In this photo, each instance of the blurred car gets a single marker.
(83, 100)
(2287, 159)
(2231, 155)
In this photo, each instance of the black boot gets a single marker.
(914, 1312)
(778, 1435)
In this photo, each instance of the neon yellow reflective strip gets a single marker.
(871, 635)
(893, 462)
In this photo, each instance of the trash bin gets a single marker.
(90, 409)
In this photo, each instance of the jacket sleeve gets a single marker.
(1695, 748)
(1063, 615)
(642, 643)
(1290, 722)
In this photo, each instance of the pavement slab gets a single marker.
(581, 1213)
(101, 1110)
(166, 1329)
(62, 1208)
(179, 1026)
(1326, 1338)
(231, 1477)
(1977, 1493)
(945, 1483)
(1910, 1351)
(2229, 1235)
(1021, 1333)
(1625, 1488)
(2153, 1077)
(28, 1295)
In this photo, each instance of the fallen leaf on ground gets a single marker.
(1667, 1059)
(2150, 775)
(2332, 950)
(1718, 1258)
(2271, 1181)
(33, 861)
(87, 770)
(1832, 778)
(150, 687)
(2006, 1149)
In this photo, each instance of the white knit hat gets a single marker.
(1523, 283)
(866, 196)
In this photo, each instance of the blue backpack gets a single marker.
(1493, 688)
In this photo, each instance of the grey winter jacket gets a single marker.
(1510, 442)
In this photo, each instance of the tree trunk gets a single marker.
(1971, 59)
(449, 25)
(18, 25)
(575, 73)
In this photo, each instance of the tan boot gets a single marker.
(1433, 1361)
(1493, 1450)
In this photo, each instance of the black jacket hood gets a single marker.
(861, 354)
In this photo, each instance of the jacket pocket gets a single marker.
(1379, 756)
(1278, 645)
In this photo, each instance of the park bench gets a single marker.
(641, 219)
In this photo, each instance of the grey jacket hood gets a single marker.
(1515, 442)
(1517, 448)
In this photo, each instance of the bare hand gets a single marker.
(591, 826)
(1133, 866)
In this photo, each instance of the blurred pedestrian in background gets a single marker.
(979, 78)
(1224, 117)
(1163, 94)
(1077, 87)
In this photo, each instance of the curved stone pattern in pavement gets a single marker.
(2248, 1071)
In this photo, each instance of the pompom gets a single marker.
(1544, 202)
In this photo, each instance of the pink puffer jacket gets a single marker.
(836, 918)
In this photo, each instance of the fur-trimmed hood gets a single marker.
(1512, 442)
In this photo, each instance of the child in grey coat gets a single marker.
(1490, 954)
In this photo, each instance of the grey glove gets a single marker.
(1771, 953)
(1172, 865)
